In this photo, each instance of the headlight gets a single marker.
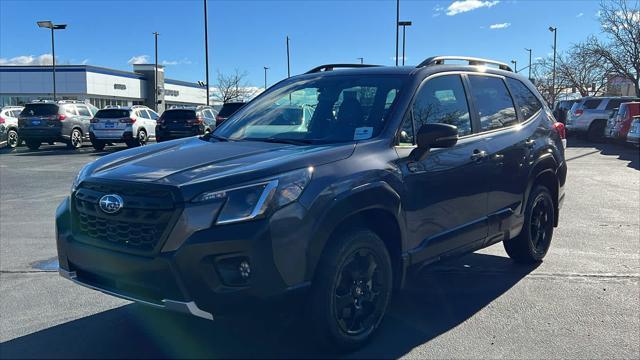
(251, 201)
(81, 175)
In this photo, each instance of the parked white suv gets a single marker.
(133, 125)
(590, 115)
(9, 117)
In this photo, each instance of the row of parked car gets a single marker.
(600, 118)
(73, 122)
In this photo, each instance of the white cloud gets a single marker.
(461, 6)
(437, 11)
(184, 61)
(580, 15)
(44, 59)
(499, 26)
(140, 59)
(84, 62)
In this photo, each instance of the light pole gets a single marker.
(404, 25)
(265, 77)
(529, 50)
(155, 73)
(397, 21)
(554, 30)
(361, 60)
(206, 50)
(50, 25)
(288, 60)
(515, 66)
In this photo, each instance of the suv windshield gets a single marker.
(40, 110)
(112, 113)
(325, 109)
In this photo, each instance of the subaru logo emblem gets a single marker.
(111, 203)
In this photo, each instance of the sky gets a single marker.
(248, 35)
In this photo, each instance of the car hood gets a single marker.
(191, 161)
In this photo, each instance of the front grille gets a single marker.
(140, 226)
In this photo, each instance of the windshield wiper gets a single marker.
(285, 141)
(208, 136)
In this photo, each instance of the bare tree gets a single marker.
(586, 73)
(232, 87)
(542, 76)
(620, 22)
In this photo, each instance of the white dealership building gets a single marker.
(97, 85)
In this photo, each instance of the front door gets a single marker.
(446, 192)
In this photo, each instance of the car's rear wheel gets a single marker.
(352, 289)
(75, 140)
(98, 145)
(533, 242)
(12, 139)
(33, 144)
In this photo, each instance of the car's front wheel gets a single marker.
(533, 242)
(351, 290)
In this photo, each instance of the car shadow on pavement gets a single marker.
(436, 300)
(623, 151)
(63, 150)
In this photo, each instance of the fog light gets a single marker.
(245, 269)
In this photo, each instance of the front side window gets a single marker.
(442, 100)
(614, 103)
(153, 114)
(324, 109)
(527, 102)
(143, 114)
(493, 102)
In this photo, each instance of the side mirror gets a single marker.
(434, 136)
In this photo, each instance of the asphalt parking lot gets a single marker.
(583, 301)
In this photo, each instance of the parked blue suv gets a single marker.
(330, 186)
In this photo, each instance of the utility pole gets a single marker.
(288, 60)
(553, 81)
(404, 25)
(361, 60)
(50, 25)
(265, 77)
(529, 50)
(397, 21)
(515, 66)
(155, 74)
(206, 50)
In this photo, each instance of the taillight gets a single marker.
(94, 120)
(61, 117)
(219, 118)
(199, 120)
(562, 132)
(160, 121)
(1, 120)
(127, 121)
(578, 112)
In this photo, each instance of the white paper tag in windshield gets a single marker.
(362, 133)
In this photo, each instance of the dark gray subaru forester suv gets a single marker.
(332, 185)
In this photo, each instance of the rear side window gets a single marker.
(153, 114)
(112, 113)
(493, 102)
(83, 110)
(526, 101)
(179, 114)
(591, 104)
(40, 110)
(442, 100)
(143, 114)
(70, 110)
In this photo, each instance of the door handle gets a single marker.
(478, 155)
(530, 143)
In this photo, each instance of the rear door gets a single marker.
(446, 193)
(153, 117)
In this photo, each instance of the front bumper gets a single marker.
(191, 272)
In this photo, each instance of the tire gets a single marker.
(13, 140)
(596, 131)
(98, 145)
(533, 242)
(75, 140)
(143, 138)
(33, 144)
(342, 289)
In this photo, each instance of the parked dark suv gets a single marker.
(185, 121)
(379, 171)
(65, 121)
(227, 110)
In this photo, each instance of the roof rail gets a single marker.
(439, 60)
(329, 67)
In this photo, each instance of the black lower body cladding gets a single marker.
(217, 269)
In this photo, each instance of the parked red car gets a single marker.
(626, 112)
